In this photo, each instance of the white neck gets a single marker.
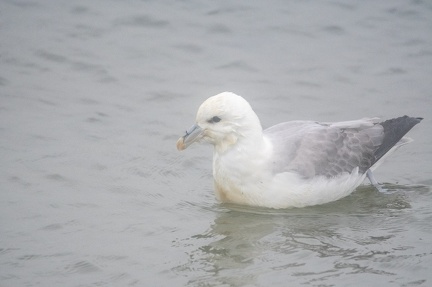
(240, 166)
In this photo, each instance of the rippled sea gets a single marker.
(94, 94)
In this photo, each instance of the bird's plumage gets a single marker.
(292, 164)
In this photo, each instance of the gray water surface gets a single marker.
(94, 94)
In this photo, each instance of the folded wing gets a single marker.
(329, 149)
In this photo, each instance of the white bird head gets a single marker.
(222, 120)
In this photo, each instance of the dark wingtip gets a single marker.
(394, 130)
(419, 119)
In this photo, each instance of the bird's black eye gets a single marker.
(214, 119)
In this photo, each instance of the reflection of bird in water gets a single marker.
(292, 164)
(246, 244)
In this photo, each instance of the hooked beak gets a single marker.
(193, 134)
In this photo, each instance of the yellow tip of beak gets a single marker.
(180, 144)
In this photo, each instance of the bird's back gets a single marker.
(330, 149)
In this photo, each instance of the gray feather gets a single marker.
(329, 149)
(394, 130)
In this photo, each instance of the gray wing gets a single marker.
(328, 149)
